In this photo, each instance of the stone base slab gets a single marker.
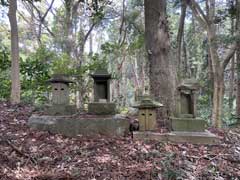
(73, 126)
(179, 137)
(188, 124)
(100, 108)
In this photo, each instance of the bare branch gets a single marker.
(89, 32)
(45, 14)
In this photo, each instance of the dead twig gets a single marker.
(18, 151)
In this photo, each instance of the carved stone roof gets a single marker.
(189, 84)
(60, 78)
(147, 102)
(101, 73)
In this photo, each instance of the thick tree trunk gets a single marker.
(157, 47)
(218, 80)
(238, 62)
(218, 93)
(15, 73)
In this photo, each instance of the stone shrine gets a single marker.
(60, 96)
(147, 113)
(186, 115)
(101, 91)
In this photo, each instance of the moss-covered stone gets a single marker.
(102, 108)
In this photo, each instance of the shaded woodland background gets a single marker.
(147, 46)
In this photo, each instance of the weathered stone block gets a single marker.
(188, 124)
(193, 137)
(73, 126)
(60, 110)
(179, 137)
(101, 108)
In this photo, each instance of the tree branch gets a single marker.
(198, 13)
(45, 14)
(229, 56)
(89, 32)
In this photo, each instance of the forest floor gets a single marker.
(30, 154)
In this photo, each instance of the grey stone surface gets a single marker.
(60, 110)
(193, 137)
(188, 124)
(179, 137)
(72, 126)
(102, 108)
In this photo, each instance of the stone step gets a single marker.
(73, 126)
(179, 137)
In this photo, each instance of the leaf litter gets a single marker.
(28, 154)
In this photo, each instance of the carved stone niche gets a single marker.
(186, 102)
(101, 88)
(101, 91)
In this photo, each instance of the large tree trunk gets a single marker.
(157, 47)
(15, 73)
(238, 62)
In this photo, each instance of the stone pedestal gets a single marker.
(186, 118)
(73, 125)
(188, 124)
(60, 110)
(100, 108)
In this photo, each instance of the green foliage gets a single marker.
(34, 74)
(4, 58)
(5, 65)
(4, 3)
(62, 64)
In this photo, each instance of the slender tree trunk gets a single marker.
(232, 72)
(68, 27)
(157, 48)
(210, 76)
(185, 62)
(180, 36)
(218, 71)
(218, 79)
(15, 72)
